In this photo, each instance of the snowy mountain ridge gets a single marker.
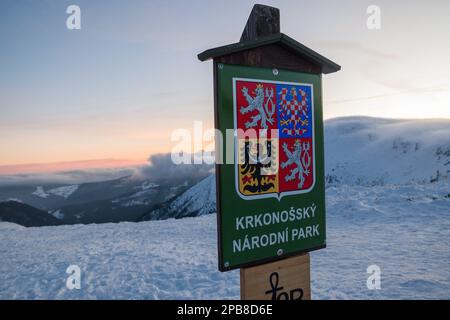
(358, 151)
(374, 151)
(196, 201)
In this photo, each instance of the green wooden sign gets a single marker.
(271, 198)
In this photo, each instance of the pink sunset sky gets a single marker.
(111, 94)
(67, 166)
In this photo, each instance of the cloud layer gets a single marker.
(161, 167)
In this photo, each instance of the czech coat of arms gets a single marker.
(275, 138)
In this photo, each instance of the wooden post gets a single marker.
(263, 21)
(268, 68)
(287, 279)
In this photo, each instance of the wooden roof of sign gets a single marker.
(262, 44)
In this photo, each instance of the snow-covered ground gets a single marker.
(404, 229)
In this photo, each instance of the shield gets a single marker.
(274, 142)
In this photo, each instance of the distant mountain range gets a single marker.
(25, 215)
(124, 199)
(358, 150)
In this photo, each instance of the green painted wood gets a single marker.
(231, 206)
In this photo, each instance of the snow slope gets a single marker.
(201, 198)
(4, 225)
(368, 151)
(64, 191)
(196, 201)
(39, 192)
(403, 229)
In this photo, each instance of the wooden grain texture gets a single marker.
(294, 281)
(271, 56)
(263, 21)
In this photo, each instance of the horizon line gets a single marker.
(111, 163)
(61, 166)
